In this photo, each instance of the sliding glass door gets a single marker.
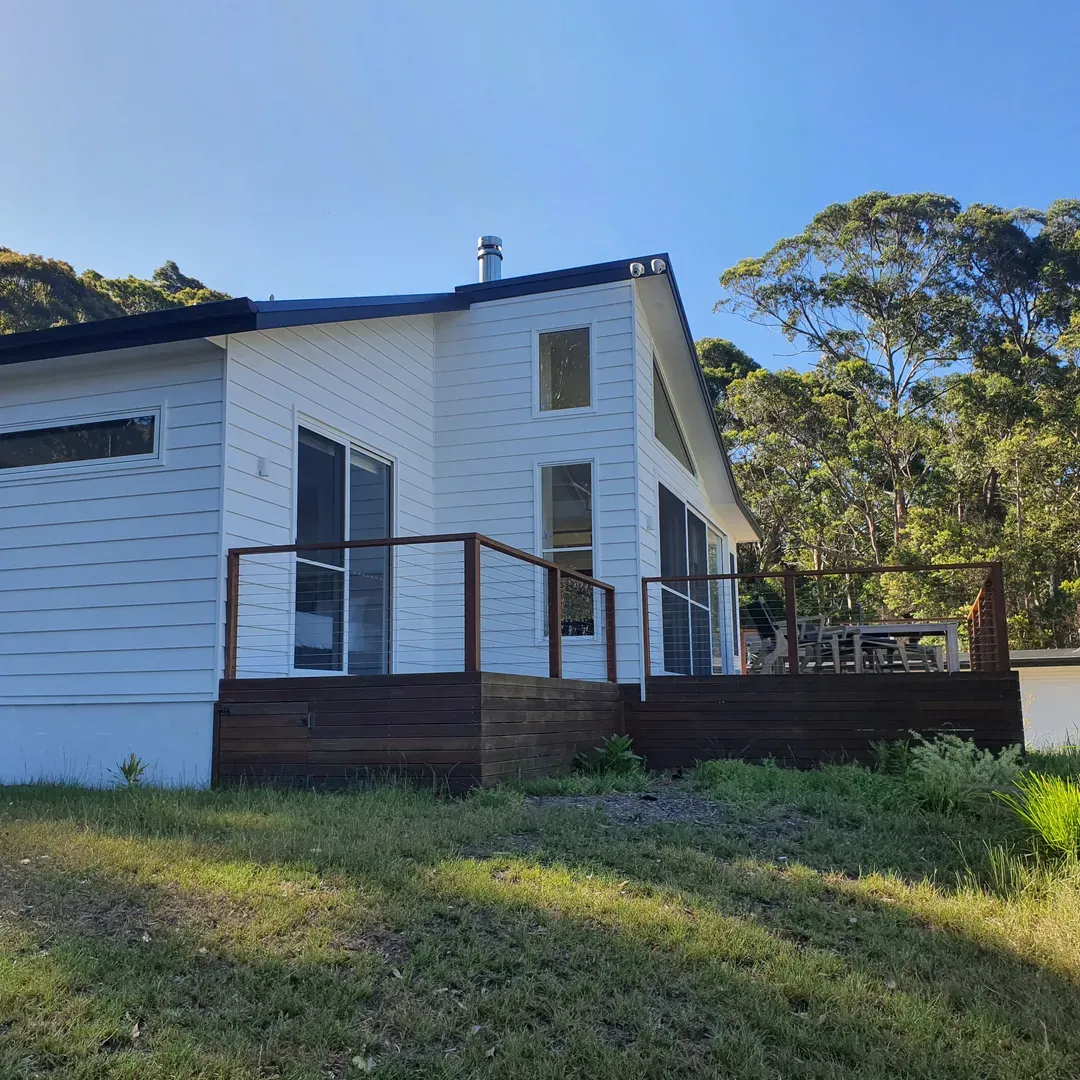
(342, 603)
(695, 624)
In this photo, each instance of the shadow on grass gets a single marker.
(603, 953)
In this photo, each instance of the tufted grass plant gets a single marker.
(1049, 806)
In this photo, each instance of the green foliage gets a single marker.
(1050, 807)
(892, 757)
(589, 783)
(951, 775)
(723, 362)
(616, 756)
(939, 421)
(129, 771)
(1063, 760)
(37, 293)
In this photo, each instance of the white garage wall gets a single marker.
(109, 636)
(1050, 697)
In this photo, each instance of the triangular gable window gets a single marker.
(665, 425)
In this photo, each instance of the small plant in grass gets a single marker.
(892, 758)
(1050, 807)
(951, 775)
(615, 756)
(129, 772)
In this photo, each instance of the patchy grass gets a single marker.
(820, 928)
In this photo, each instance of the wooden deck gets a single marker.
(808, 719)
(468, 729)
(454, 729)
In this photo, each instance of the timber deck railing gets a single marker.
(848, 620)
(411, 604)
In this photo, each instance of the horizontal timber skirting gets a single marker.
(809, 719)
(455, 730)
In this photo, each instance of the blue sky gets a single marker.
(348, 148)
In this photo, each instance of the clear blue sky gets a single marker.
(348, 148)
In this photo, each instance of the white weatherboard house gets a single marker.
(562, 413)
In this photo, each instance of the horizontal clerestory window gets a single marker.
(80, 441)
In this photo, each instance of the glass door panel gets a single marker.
(319, 636)
(320, 496)
(697, 555)
(369, 568)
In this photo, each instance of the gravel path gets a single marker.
(641, 809)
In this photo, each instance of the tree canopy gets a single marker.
(940, 417)
(36, 293)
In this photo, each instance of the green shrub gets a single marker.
(615, 756)
(1050, 807)
(951, 775)
(892, 758)
(1063, 760)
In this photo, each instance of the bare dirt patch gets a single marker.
(648, 808)
(386, 944)
(55, 904)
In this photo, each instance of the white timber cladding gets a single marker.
(490, 443)
(1049, 699)
(657, 465)
(368, 384)
(109, 571)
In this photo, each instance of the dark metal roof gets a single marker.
(242, 314)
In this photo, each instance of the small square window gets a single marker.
(564, 370)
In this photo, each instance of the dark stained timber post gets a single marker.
(554, 627)
(609, 631)
(1001, 625)
(232, 603)
(792, 625)
(472, 603)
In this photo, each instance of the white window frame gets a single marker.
(581, 410)
(728, 628)
(89, 466)
(350, 444)
(693, 470)
(538, 546)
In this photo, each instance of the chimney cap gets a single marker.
(489, 255)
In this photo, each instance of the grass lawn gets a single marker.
(815, 925)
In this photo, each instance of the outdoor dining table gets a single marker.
(947, 628)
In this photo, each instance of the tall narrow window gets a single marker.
(567, 539)
(564, 370)
(320, 572)
(666, 424)
(369, 568)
